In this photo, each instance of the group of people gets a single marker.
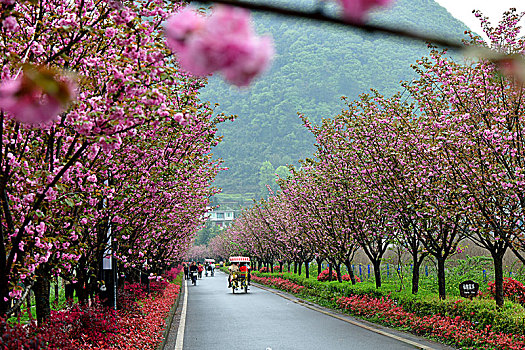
(238, 267)
(232, 269)
(189, 268)
(198, 268)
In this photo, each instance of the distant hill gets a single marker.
(315, 65)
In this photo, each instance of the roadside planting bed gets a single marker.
(468, 324)
(138, 323)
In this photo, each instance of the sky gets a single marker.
(462, 10)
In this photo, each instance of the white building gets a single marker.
(222, 217)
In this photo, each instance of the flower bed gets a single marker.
(453, 330)
(323, 276)
(137, 325)
(512, 289)
(144, 331)
(280, 283)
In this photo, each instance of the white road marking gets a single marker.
(182, 323)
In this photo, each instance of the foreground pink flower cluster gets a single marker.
(223, 42)
(35, 97)
(357, 10)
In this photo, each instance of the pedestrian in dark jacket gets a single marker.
(186, 271)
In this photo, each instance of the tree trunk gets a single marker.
(280, 266)
(330, 271)
(28, 302)
(377, 272)
(42, 291)
(307, 269)
(288, 265)
(81, 292)
(338, 273)
(300, 267)
(4, 283)
(271, 266)
(295, 267)
(498, 278)
(348, 265)
(415, 274)
(441, 278)
(57, 289)
(319, 266)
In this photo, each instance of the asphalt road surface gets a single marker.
(217, 319)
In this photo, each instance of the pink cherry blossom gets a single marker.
(28, 104)
(224, 42)
(180, 26)
(356, 10)
(258, 59)
(10, 24)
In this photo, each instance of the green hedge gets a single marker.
(481, 311)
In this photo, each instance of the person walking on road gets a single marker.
(186, 271)
(200, 269)
(193, 272)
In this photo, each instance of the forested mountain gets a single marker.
(315, 65)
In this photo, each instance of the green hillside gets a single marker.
(315, 65)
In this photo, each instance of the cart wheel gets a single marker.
(245, 289)
(233, 290)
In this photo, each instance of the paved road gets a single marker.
(216, 319)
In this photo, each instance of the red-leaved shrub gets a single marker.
(172, 273)
(512, 289)
(280, 283)
(347, 278)
(157, 287)
(323, 276)
(92, 324)
(138, 290)
(126, 301)
(19, 336)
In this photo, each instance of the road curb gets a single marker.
(343, 317)
(171, 316)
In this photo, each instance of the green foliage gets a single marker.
(206, 233)
(266, 177)
(480, 311)
(316, 64)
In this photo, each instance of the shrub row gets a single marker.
(280, 283)
(453, 330)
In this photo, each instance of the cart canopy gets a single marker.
(239, 259)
